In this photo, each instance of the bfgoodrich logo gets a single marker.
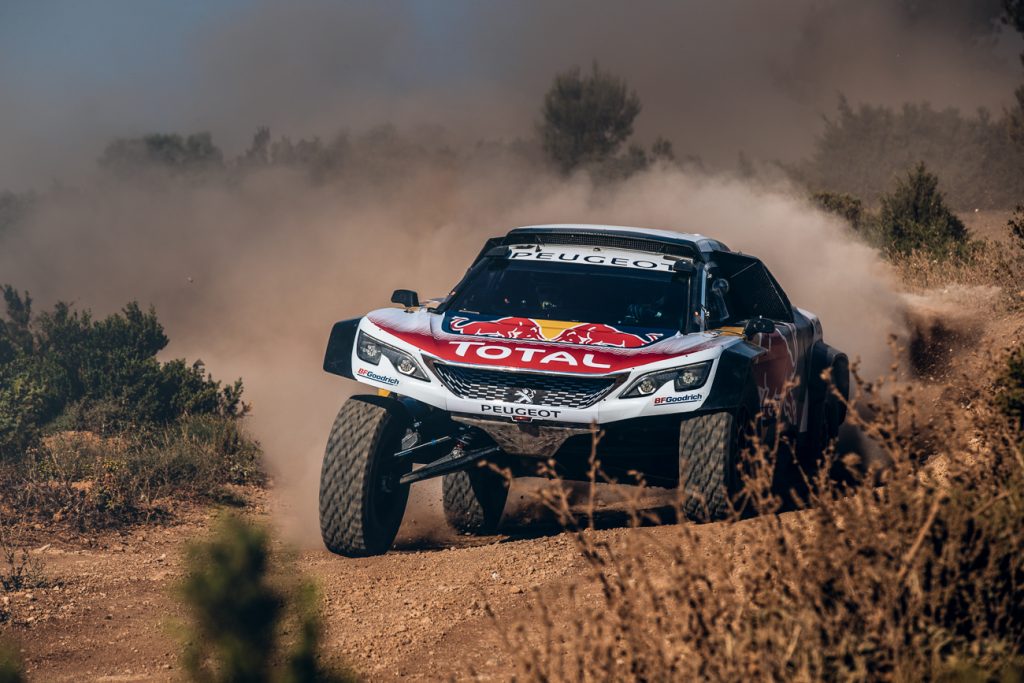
(684, 398)
(363, 372)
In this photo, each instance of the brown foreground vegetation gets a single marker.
(916, 578)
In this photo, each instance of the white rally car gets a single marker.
(671, 344)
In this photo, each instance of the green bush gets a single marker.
(63, 370)
(239, 613)
(11, 668)
(914, 217)
(96, 432)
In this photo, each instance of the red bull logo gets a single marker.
(604, 335)
(583, 334)
(506, 328)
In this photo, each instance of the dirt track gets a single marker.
(416, 612)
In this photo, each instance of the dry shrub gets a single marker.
(89, 481)
(918, 578)
(18, 569)
(989, 263)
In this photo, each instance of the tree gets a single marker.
(863, 147)
(172, 152)
(1014, 17)
(258, 153)
(586, 118)
(914, 217)
(661, 150)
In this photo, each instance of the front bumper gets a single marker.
(568, 398)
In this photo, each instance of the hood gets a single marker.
(544, 345)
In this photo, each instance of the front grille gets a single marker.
(560, 391)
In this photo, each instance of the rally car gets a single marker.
(675, 347)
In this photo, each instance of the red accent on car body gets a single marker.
(500, 352)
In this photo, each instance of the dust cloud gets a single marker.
(714, 77)
(249, 275)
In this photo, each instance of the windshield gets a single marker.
(576, 293)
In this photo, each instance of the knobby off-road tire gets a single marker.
(709, 454)
(474, 500)
(361, 502)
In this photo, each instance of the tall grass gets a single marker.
(89, 481)
(914, 573)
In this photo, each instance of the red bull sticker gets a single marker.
(582, 334)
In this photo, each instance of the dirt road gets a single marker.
(417, 612)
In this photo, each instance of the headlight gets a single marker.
(370, 350)
(685, 378)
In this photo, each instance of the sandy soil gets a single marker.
(418, 612)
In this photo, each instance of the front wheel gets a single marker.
(361, 501)
(710, 454)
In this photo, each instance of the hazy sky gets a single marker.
(714, 77)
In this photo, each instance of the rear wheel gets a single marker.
(474, 500)
(361, 501)
(826, 414)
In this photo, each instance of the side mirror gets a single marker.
(683, 266)
(758, 326)
(406, 297)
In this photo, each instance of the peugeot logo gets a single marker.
(525, 395)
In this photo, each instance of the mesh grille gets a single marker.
(522, 387)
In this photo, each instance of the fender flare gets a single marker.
(425, 420)
(733, 375)
(338, 357)
(394, 406)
